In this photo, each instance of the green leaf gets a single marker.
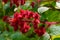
(5, 34)
(2, 38)
(17, 36)
(8, 10)
(54, 30)
(11, 29)
(57, 39)
(2, 25)
(26, 6)
(35, 8)
(51, 15)
(53, 3)
(45, 37)
(42, 9)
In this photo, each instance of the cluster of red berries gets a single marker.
(16, 2)
(20, 2)
(22, 20)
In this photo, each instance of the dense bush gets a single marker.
(29, 19)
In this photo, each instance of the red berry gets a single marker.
(36, 21)
(15, 28)
(25, 28)
(23, 2)
(5, 18)
(36, 16)
(33, 4)
(40, 31)
(11, 3)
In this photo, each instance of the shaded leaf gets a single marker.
(54, 30)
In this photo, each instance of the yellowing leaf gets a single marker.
(55, 37)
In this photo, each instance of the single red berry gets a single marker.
(11, 3)
(36, 21)
(32, 4)
(16, 14)
(5, 18)
(15, 28)
(23, 2)
(36, 16)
